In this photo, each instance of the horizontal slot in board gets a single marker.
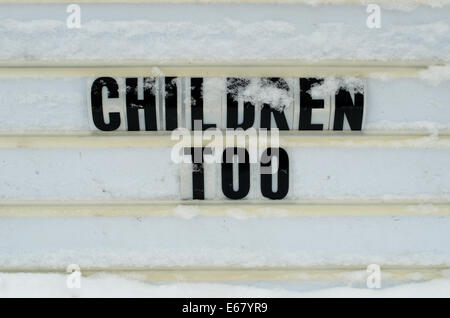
(261, 68)
(222, 208)
(349, 274)
(358, 2)
(163, 139)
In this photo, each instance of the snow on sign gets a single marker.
(237, 169)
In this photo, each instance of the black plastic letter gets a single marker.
(244, 174)
(97, 103)
(283, 175)
(353, 111)
(197, 103)
(267, 110)
(171, 103)
(134, 104)
(234, 85)
(307, 104)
